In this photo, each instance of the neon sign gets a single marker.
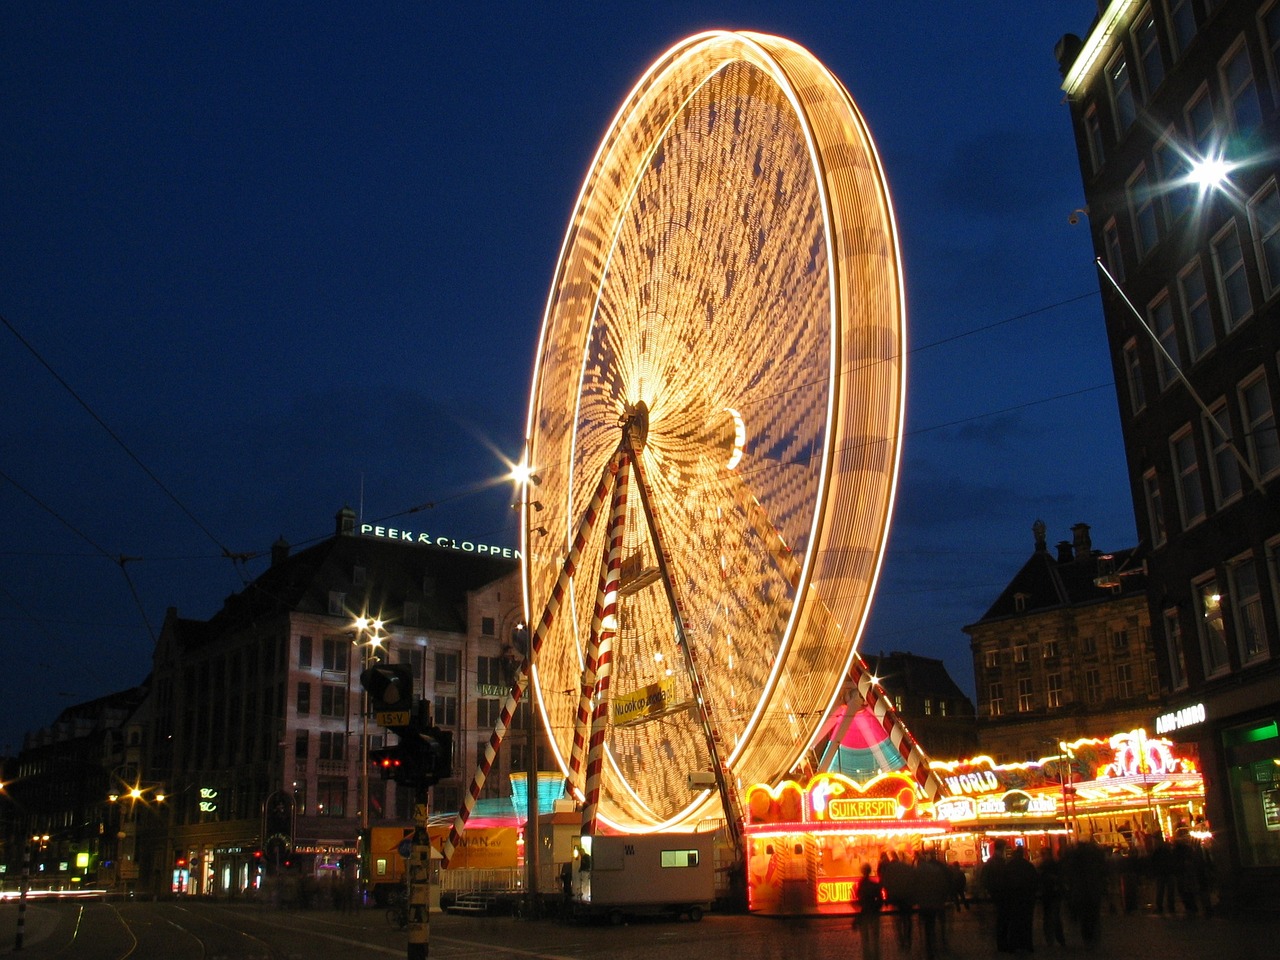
(980, 781)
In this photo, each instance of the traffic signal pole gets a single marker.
(420, 881)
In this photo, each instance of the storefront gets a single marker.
(806, 844)
(1237, 733)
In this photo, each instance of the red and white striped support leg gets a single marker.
(521, 683)
(917, 761)
(582, 719)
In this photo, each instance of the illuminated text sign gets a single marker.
(863, 808)
(1178, 719)
(426, 539)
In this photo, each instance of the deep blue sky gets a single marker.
(296, 256)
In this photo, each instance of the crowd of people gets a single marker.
(1072, 886)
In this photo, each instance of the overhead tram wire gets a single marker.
(237, 559)
(120, 560)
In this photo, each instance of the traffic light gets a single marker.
(420, 759)
(390, 689)
(387, 762)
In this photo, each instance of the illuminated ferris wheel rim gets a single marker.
(671, 63)
(731, 48)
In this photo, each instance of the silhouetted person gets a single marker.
(1162, 870)
(995, 881)
(898, 878)
(868, 900)
(1052, 887)
(933, 890)
(1086, 871)
(1024, 887)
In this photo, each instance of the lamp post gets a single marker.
(369, 639)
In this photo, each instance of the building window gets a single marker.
(1213, 633)
(1143, 212)
(1168, 357)
(1020, 652)
(1224, 467)
(304, 699)
(1264, 221)
(1261, 439)
(1053, 690)
(446, 666)
(489, 672)
(331, 797)
(897, 702)
(942, 708)
(333, 700)
(1049, 650)
(928, 706)
(333, 745)
(301, 745)
(1120, 640)
(1201, 124)
(446, 711)
(1228, 272)
(304, 653)
(1114, 252)
(1024, 694)
(1196, 322)
(1187, 469)
(1246, 599)
(487, 627)
(1146, 41)
(995, 699)
(1089, 644)
(1241, 92)
(991, 658)
(337, 654)
(1155, 508)
(1093, 139)
(1173, 647)
(1121, 89)
(1093, 685)
(1174, 171)
(337, 603)
(1271, 40)
(1133, 378)
(1124, 680)
(1182, 24)
(488, 710)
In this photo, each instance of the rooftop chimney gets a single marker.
(279, 551)
(1083, 545)
(346, 522)
(1037, 529)
(1064, 551)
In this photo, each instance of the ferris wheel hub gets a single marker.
(635, 424)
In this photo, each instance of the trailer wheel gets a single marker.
(695, 914)
(615, 917)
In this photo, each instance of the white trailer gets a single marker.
(644, 874)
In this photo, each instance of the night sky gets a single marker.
(258, 261)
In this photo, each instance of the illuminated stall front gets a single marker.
(1120, 790)
(806, 844)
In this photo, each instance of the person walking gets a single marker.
(933, 890)
(898, 878)
(1052, 887)
(868, 900)
(1023, 881)
(994, 878)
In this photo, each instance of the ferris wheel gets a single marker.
(714, 429)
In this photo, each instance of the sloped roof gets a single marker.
(1046, 582)
(435, 578)
(902, 673)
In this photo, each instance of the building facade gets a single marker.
(1065, 651)
(259, 725)
(930, 703)
(1162, 95)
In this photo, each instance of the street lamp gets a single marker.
(369, 639)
